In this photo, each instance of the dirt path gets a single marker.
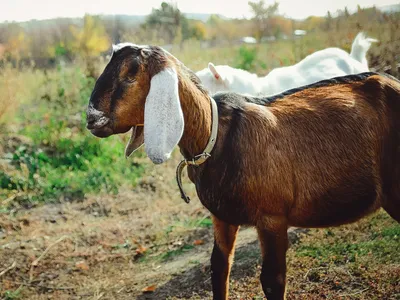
(82, 254)
(94, 250)
(189, 274)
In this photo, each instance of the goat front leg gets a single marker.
(222, 257)
(274, 244)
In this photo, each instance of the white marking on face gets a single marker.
(120, 46)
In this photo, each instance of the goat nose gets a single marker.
(90, 119)
(95, 118)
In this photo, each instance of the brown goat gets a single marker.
(322, 155)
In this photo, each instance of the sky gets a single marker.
(23, 10)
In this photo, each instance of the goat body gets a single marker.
(321, 155)
(311, 157)
(323, 64)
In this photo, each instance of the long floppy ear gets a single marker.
(135, 142)
(163, 117)
(214, 71)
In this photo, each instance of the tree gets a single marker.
(89, 41)
(17, 42)
(262, 15)
(49, 40)
(346, 12)
(168, 22)
(198, 30)
(313, 23)
(329, 20)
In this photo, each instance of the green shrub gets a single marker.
(63, 160)
(247, 59)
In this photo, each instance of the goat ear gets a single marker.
(135, 142)
(214, 71)
(163, 117)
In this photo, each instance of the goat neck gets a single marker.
(197, 113)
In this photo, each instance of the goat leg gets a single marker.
(222, 257)
(274, 244)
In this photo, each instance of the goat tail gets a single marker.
(360, 47)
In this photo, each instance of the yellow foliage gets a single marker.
(90, 40)
(199, 30)
(313, 22)
(280, 25)
(17, 45)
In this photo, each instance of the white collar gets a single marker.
(200, 158)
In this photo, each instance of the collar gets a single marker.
(200, 158)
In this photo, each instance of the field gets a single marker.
(79, 221)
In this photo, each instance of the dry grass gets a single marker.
(56, 247)
(17, 87)
(113, 246)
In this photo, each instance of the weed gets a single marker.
(246, 58)
(380, 244)
(176, 252)
(13, 295)
(194, 262)
(61, 160)
(205, 222)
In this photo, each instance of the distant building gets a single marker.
(299, 32)
(248, 40)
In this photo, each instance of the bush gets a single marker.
(59, 159)
(247, 59)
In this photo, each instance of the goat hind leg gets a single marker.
(274, 244)
(222, 257)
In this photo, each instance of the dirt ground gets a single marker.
(146, 243)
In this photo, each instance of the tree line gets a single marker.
(45, 42)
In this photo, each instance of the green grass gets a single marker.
(13, 295)
(382, 243)
(188, 224)
(176, 252)
(55, 157)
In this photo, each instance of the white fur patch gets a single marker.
(163, 116)
(119, 46)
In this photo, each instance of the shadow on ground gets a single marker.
(196, 281)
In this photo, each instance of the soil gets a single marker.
(146, 243)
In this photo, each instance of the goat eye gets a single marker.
(130, 80)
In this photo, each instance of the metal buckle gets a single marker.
(194, 160)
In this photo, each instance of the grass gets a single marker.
(380, 248)
(13, 295)
(49, 155)
(358, 257)
(176, 252)
(112, 208)
(380, 243)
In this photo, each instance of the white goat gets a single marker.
(323, 64)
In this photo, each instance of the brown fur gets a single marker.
(222, 257)
(319, 156)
